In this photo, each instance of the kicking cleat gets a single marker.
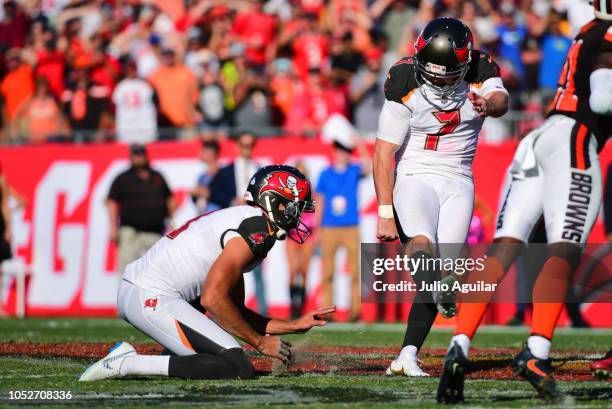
(450, 388)
(445, 300)
(406, 366)
(109, 366)
(602, 369)
(538, 372)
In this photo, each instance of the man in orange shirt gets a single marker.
(16, 87)
(176, 88)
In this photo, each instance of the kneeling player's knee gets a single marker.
(242, 367)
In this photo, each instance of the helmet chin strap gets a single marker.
(281, 234)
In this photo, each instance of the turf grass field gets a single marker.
(341, 365)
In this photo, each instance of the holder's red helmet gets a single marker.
(284, 193)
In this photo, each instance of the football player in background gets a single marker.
(201, 264)
(436, 103)
(555, 173)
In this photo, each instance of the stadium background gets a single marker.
(61, 237)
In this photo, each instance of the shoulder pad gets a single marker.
(254, 230)
(482, 67)
(400, 80)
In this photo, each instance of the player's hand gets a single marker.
(275, 347)
(386, 229)
(481, 105)
(314, 318)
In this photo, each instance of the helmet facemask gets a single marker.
(427, 75)
(285, 216)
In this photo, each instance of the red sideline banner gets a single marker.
(61, 237)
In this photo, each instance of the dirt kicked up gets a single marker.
(490, 363)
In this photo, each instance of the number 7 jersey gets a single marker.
(436, 135)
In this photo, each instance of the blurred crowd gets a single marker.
(143, 70)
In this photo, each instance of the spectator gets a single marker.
(554, 50)
(13, 27)
(41, 117)
(135, 108)
(177, 89)
(227, 188)
(253, 110)
(315, 105)
(16, 87)
(211, 100)
(367, 94)
(209, 156)
(257, 30)
(51, 63)
(140, 204)
(285, 86)
(512, 36)
(337, 188)
(230, 182)
(346, 60)
(298, 259)
(86, 105)
(399, 15)
(531, 52)
(309, 44)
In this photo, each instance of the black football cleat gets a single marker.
(450, 388)
(538, 372)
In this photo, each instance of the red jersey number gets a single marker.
(450, 121)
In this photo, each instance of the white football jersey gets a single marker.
(178, 263)
(436, 136)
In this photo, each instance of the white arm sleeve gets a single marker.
(494, 84)
(393, 122)
(601, 91)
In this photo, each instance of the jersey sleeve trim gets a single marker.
(406, 97)
(228, 235)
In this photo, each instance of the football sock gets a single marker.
(463, 341)
(539, 346)
(549, 294)
(420, 320)
(471, 313)
(423, 311)
(145, 365)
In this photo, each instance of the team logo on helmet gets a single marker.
(287, 185)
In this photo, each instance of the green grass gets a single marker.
(279, 390)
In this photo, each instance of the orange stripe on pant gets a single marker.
(184, 339)
(580, 162)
